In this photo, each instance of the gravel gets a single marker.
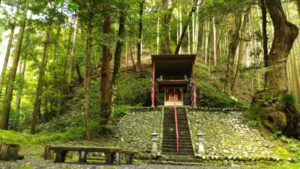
(43, 164)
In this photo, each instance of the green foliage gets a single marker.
(253, 113)
(133, 90)
(209, 89)
(121, 110)
(288, 99)
(46, 137)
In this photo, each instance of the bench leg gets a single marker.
(60, 156)
(109, 158)
(128, 158)
(47, 153)
(118, 158)
(82, 156)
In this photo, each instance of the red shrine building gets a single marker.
(173, 80)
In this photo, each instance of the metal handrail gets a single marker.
(176, 125)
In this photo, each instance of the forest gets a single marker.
(79, 72)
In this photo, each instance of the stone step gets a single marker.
(175, 150)
(167, 134)
(182, 125)
(181, 138)
(181, 132)
(172, 119)
(170, 140)
(180, 146)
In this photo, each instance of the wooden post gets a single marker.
(82, 156)
(109, 157)
(129, 158)
(194, 87)
(153, 84)
(60, 156)
(47, 152)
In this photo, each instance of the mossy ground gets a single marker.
(232, 138)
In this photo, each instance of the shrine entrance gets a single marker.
(173, 80)
(171, 95)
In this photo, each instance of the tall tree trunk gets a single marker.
(188, 40)
(105, 81)
(119, 46)
(88, 72)
(264, 29)
(19, 94)
(131, 57)
(285, 34)
(72, 52)
(8, 49)
(277, 114)
(118, 51)
(194, 7)
(139, 44)
(22, 68)
(157, 36)
(4, 68)
(196, 35)
(234, 41)
(39, 88)
(166, 20)
(205, 40)
(12, 73)
(215, 40)
(241, 52)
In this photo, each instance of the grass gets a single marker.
(286, 166)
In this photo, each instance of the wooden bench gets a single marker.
(110, 153)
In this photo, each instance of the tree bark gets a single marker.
(285, 34)
(185, 27)
(241, 52)
(264, 29)
(12, 73)
(72, 52)
(22, 70)
(88, 72)
(8, 49)
(234, 41)
(105, 81)
(119, 46)
(215, 41)
(166, 19)
(157, 36)
(278, 114)
(139, 44)
(39, 88)
(4, 68)
(205, 40)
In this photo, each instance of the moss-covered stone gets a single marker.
(229, 136)
(135, 128)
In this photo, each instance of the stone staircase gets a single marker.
(169, 133)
